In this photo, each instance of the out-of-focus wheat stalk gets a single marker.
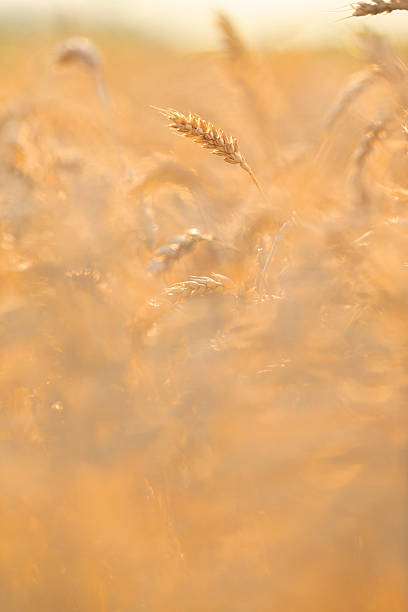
(389, 66)
(376, 7)
(371, 136)
(179, 246)
(359, 160)
(82, 50)
(357, 84)
(209, 137)
(245, 68)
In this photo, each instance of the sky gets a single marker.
(191, 22)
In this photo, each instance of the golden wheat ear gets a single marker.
(376, 7)
(208, 136)
(198, 286)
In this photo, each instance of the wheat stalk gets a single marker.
(282, 231)
(376, 7)
(209, 137)
(370, 138)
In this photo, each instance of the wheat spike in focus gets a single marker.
(210, 137)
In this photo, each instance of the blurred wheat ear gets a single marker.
(210, 137)
(356, 85)
(359, 160)
(167, 255)
(232, 41)
(78, 49)
(82, 50)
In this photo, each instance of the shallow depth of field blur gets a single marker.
(238, 451)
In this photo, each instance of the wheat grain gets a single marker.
(247, 70)
(282, 231)
(209, 137)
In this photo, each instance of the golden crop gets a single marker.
(203, 384)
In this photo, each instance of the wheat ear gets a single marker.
(232, 41)
(199, 285)
(209, 137)
(179, 246)
(82, 50)
(357, 84)
(368, 141)
(245, 68)
(376, 7)
(359, 160)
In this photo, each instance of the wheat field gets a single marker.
(204, 364)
